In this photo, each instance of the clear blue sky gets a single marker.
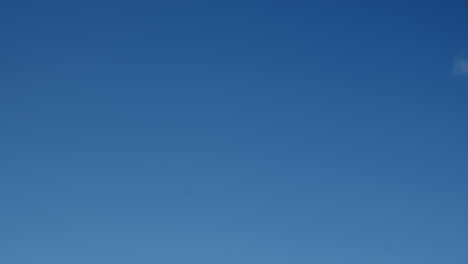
(233, 132)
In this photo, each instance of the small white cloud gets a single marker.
(460, 66)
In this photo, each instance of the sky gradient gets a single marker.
(233, 132)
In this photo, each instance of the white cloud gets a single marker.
(460, 66)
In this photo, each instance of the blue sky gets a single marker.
(226, 132)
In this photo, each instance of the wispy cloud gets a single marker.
(460, 66)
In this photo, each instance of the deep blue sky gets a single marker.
(233, 132)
